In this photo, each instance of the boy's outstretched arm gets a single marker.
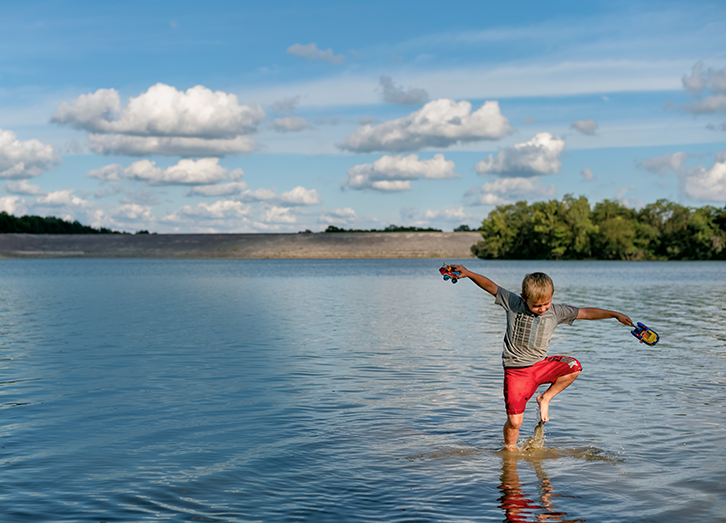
(591, 313)
(482, 281)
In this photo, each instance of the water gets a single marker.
(349, 390)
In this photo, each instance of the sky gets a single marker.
(287, 116)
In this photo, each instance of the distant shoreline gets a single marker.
(242, 246)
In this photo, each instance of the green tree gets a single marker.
(506, 233)
(616, 231)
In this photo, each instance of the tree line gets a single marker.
(570, 229)
(46, 225)
(390, 228)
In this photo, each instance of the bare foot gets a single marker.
(544, 408)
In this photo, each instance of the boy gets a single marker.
(531, 320)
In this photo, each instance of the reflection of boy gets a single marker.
(531, 320)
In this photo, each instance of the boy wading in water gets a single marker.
(531, 320)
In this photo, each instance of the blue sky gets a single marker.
(248, 117)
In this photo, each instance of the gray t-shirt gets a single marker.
(528, 335)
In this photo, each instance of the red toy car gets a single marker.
(449, 273)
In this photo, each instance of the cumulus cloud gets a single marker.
(705, 80)
(64, 198)
(710, 104)
(221, 209)
(450, 214)
(344, 216)
(299, 196)
(205, 171)
(503, 191)
(439, 123)
(540, 155)
(393, 94)
(13, 205)
(712, 127)
(279, 215)
(162, 111)
(662, 165)
(585, 126)
(23, 187)
(289, 124)
(708, 184)
(140, 146)
(164, 121)
(132, 212)
(587, 175)
(311, 52)
(24, 159)
(222, 189)
(394, 173)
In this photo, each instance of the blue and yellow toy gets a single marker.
(449, 273)
(645, 335)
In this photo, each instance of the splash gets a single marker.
(537, 440)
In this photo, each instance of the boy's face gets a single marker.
(540, 305)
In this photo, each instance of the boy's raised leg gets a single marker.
(560, 384)
(511, 430)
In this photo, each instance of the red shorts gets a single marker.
(521, 384)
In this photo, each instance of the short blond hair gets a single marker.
(537, 286)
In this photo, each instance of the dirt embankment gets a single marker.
(311, 245)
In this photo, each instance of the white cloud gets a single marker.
(708, 80)
(132, 212)
(13, 205)
(23, 187)
(540, 155)
(451, 214)
(312, 52)
(112, 172)
(140, 146)
(222, 189)
(701, 80)
(279, 215)
(299, 196)
(24, 159)
(289, 124)
(164, 120)
(708, 184)
(397, 95)
(662, 165)
(587, 175)
(221, 209)
(710, 104)
(64, 198)
(162, 111)
(394, 173)
(503, 191)
(585, 126)
(344, 216)
(205, 171)
(439, 123)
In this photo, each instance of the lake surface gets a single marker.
(350, 390)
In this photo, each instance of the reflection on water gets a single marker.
(518, 505)
(518, 501)
(349, 390)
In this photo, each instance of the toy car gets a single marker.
(645, 335)
(449, 273)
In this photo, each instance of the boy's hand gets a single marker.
(463, 272)
(622, 318)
